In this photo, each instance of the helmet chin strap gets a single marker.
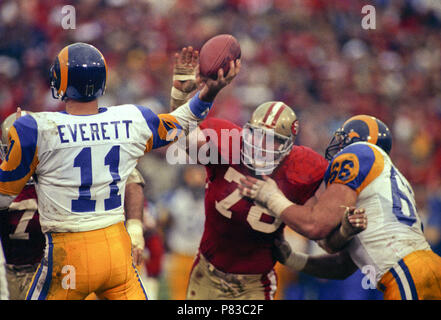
(56, 95)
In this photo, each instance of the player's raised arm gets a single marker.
(167, 128)
(187, 80)
(197, 108)
(185, 66)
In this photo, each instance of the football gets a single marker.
(217, 53)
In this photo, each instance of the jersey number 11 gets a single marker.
(84, 161)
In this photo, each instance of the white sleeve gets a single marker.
(5, 201)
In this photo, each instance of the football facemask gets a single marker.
(263, 149)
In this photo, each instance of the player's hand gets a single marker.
(354, 221)
(185, 68)
(210, 87)
(135, 230)
(265, 192)
(259, 190)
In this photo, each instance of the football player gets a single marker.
(81, 159)
(20, 229)
(235, 259)
(361, 173)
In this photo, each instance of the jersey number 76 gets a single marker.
(255, 212)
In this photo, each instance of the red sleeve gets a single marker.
(308, 169)
(225, 138)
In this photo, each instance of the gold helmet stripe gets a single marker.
(372, 125)
(63, 59)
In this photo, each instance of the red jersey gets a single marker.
(239, 234)
(20, 231)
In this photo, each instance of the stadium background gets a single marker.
(312, 54)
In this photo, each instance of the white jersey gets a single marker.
(81, 163)
(84, 163)
(394, 228)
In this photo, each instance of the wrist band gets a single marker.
(184, 77)
(134, 226)
(297, 261)
(198, 107)
(277, 203)
(178, 94)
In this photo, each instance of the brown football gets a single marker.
(217, 53)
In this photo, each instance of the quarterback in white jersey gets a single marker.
(90, 157)
(362, 174)
(80, 160)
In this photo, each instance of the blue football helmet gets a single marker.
(360, 128)
(78, 73)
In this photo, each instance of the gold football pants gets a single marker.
(80, 263)
(178, 274)
(416, 277)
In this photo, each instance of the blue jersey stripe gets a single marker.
(327, 173)
(366, 160)
(34, 283)
(400, 285)
(409, 279)
(139, 281)
(47, 282)
(27, 131)
(153, 122)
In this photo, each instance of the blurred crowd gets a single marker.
(312, 54)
